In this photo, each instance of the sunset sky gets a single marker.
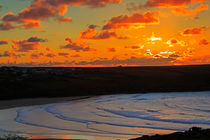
(104, 32)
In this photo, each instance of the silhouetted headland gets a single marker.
(193, 133)
(21, 82)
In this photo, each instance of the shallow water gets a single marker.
(110, 117)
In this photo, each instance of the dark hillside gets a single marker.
(61, 82)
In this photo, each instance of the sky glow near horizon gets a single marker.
(104, 32)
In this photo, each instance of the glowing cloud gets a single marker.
(192, 13)
(176, 42)
(137, 20)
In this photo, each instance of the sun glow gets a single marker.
(154, 38)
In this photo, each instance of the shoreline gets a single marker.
(8, 104)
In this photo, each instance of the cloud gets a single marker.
(41, 54)
(64, 20)
(111, 50)
(64, 54)
(30, 44)
(50, 55)
(40, 10)
(76, 55)
(187, 12)
(193, 31)
(169, 3)
(132, 61)
(48, 49)
(36, 55)
(192, 60)
(174, 42)
(132, 47)
(2, 42)
(35, 39)
(129, 61)
(137, 20)
(77, 46)
(204, 42)
(10, 53)
(6, 26)
(174, 56)
(91, 33)
(29, 25)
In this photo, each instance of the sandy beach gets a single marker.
(6, 104)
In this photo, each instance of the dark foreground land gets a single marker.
(18, 82)
(192, 134)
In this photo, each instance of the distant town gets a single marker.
(20, 73)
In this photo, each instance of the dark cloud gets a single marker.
(50, 55)
(204, 42)
(129, 61)
(76, 46)
(35, 39)
(194, 31)
(36, 55)
(132, 47)
(11, 53)
(92, 26)
(41, 54)
(6, 26)
(91, 33)
(76, 55)
(105, 62)
(111, 50)
(174, 56)
(33, 43)
(2, 42)
(64, 54)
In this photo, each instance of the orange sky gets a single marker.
(104, 33)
